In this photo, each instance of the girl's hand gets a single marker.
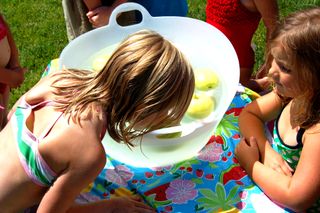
(16, 77)
(275, 161)
(114, 205)
(129, 204)
(247, 152)
(100, 16)
(262, 72)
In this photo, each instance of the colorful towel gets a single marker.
(213, 181)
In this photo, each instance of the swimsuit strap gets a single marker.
(43, 104)
(48, 129)
(24, 104)
(299, 136)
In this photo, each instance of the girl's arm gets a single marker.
(12, 77)
(298, 192)
(254, 116)
(13, 73)
(270, 15)
(252, 122)
(39, 89)
(80, 149)
(14, 58)
(76, 154)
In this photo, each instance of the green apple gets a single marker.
(99, 62)
(201, 106)
(205, 79)
(170, 135)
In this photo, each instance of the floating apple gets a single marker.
(205, 79)
(170, 135)
(99, 62)
(200, 106)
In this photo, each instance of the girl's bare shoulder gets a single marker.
(314, 131)
(42, 90)
(311, 137)
(75, 144)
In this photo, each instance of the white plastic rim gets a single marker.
(202, 44)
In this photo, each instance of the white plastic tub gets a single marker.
(202, 44)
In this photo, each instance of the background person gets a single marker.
(84, 15)
(239, 20)
(11, 73)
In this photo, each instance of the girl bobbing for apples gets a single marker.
(53, 138)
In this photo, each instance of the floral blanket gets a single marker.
(212, 181)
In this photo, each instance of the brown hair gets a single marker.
(299, 34)
(145, 76)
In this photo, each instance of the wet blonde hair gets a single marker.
(145, 76)
(299, 34)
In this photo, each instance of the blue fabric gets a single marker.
(211, 181)
(165, 7)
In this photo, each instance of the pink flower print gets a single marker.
(212, 152)
(241, 205)
(124, 172)
(161, 168)
(243, 195)
(120, 175)
(180, 191)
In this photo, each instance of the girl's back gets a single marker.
(46, 131)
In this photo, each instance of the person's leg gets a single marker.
(76, 20)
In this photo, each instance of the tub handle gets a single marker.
(125, 7)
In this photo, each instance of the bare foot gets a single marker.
(259, 85)
(264, 82)
(262, 72)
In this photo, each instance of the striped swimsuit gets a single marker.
(34, 165)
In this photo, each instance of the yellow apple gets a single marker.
(205, 79)
(99, 62)
(201, 106)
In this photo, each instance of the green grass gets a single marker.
(285, 7)
(40, 34)
(39, 30)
